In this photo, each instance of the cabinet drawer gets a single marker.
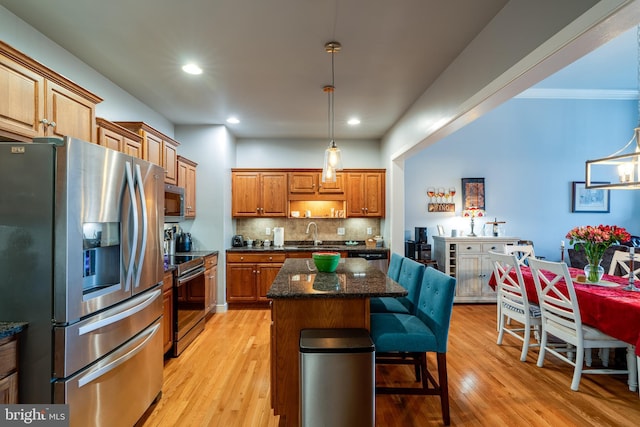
(464, 248)
(8, 356)
(254, 257)
(495, 247)
(210, 261)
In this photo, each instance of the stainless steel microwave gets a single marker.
(173, 203)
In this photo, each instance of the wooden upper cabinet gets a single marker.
(308, 185)
(365, 194)
(259, 194)
(38, 102)
(116, 137)
(187, 179)
(157, 148)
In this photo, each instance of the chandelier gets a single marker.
(332, 155)
(620, 170)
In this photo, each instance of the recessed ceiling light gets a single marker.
(354, 121)
(233, 120)
(192, 69)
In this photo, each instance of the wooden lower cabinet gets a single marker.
(211, 283)
(167, 318)
(249, 276)
(9, 370)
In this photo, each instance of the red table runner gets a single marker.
(612, 310)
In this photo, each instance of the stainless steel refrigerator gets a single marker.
(81, 262)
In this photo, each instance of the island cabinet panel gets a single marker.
(259, 194)
(38, 102)
(289, 317)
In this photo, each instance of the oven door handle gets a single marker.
(184, 279)
(121, 315)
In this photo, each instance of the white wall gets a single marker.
(213, 148)
(305, 153)
(528, 151)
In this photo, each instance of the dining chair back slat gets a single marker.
(621, 264)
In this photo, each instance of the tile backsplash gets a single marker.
(295, 228)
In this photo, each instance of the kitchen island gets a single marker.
(304, 298)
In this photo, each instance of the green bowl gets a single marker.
(326, 262)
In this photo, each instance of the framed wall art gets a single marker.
(589, 200)
(473, 193)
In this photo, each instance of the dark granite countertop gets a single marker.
(203, 254)
(354, 278)
(8, 329)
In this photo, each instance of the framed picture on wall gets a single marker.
(589, 200)
(473, 193)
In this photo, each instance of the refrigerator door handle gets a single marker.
(134, 208)
(93, 375)
(121, 315)
(145, 226)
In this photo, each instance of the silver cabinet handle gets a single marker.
(52, 124)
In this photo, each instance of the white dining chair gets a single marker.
(522, 252)
(513, 302)
(621, 264)
(561, 319)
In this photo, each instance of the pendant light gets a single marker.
(332, 155)
(619, 170)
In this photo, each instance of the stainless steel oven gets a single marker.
(188, 300)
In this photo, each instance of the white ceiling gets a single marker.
(264, 60)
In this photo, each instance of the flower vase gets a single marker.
(594, 271)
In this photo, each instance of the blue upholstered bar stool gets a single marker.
(394, 266)
(405, 338)
(409, 277)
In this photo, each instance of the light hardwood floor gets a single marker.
(222, 379)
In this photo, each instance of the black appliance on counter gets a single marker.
(184, 242)
(237, 241)
(418, 248)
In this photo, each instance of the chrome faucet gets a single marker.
(316, 242)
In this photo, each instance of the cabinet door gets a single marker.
(167, 319)
(303, 182)
(486, 270)
(241, 283)
(274, 194)
(190, 192)
(469, 281)
(332, 187)
(9, 389)
(132, 148)
(110, 139)
(22, 101)
(355, 195)
(212, 285)
(152, 146)
(245, 193)
(266, 274)
(169, 162)
(72, 114)
(374, 194)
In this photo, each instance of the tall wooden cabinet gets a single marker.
(35, 101)
(187, 179)
(167, 317)
(365, 194)
(9, 370)
(257, 193)
(157, 148)
(467, 259)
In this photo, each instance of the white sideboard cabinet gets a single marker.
(467, 259)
